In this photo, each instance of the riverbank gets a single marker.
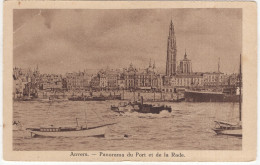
(125, 95)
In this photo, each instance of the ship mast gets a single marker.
(240, 86)
(86, 119)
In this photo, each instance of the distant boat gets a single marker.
(26, 98)
(95, 98)
(227, 128)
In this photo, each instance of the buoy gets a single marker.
(125, 135)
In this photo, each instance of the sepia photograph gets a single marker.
(128, 79)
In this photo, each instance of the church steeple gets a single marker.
(185, 55)
(171, 52)
(185, 65)
(171, 29)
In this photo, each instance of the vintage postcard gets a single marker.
(130, 81)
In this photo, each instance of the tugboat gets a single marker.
(149, 108)
(140, 107)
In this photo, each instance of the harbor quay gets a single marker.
(125, 95)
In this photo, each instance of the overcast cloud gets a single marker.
(61, 41)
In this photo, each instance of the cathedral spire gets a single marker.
(171, 52)
(171, 29)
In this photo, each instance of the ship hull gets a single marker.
(193, 96)
(233, 132)
(146, 108)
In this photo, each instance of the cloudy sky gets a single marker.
(61, 41)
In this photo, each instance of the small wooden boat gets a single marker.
(227, 128)
(98, 131)
(78, 131)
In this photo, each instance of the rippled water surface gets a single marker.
(187, 127)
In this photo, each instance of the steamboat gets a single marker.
(140, 107)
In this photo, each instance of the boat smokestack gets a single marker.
(77, 122)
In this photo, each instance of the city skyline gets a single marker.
(61, 41)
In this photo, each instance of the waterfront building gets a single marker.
(95, 82)
(108, 78)
(86, 80)
(187, 80)
(50, 81)
(233, 80)
(130, 77)
(103, 80)
(148, 78)
(78, 80)
(121, 81)
(18, 87)
(112, 76)
(22, 78)
(213, 79)
(64, 83)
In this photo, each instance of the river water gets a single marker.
(187, 127)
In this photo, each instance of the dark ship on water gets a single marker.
(140, 107)
(227, 95)
(149, 108)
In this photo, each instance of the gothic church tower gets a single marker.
(171, 52)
